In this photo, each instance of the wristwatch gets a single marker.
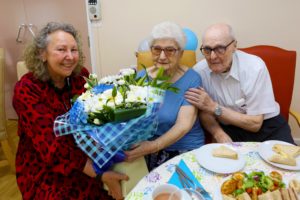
(218, 111)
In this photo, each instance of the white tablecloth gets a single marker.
(210, 180)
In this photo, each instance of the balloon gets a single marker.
(144, 46)
(191, 39)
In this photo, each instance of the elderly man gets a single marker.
(237, 101)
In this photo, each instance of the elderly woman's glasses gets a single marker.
(219, 50)
(169, 51)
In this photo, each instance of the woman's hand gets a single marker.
(144, 148)
(113, 181)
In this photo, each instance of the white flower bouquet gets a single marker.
(113, 114)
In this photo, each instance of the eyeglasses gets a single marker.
(169, 51)
(219, 50)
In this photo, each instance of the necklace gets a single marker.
(64, 94)
(181, 70)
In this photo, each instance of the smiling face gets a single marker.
(166, 53)
(61, 55)
(219, 36)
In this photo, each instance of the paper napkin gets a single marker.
(175, 178)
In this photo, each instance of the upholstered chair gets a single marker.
(281, 64)
(145, 58)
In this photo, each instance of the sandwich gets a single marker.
(295, 184)
(276, 195)
(226, 197)
(283, 159)
(285, 194)
(292, 193)
(243, 196)
(291, 150)
(224, 152)
(266, 196)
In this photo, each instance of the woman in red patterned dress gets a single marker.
(50, 167)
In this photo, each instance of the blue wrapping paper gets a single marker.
(102, 143)
(175, 178)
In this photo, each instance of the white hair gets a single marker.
(168, 30)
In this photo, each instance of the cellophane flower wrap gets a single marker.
(113, 114)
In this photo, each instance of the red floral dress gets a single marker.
(50, 167)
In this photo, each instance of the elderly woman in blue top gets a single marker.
(179, 129)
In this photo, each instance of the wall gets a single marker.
(17, 12)
(125, 23)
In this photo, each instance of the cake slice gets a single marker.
(224, 152)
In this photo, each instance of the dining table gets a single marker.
(210, 180)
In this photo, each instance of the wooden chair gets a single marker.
(5, 144)
(281, 64)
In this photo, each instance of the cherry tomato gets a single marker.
(249, 190)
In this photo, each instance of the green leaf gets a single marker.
(114, 92)
(74, 98)
(160, 72)
(141, 81)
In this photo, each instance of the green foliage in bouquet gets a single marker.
(160, 81)
(121, 97)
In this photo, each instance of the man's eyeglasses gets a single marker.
(219, 50)
(169, 51)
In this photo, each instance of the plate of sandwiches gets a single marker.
(280, 154)
(220, 158)
(265, 186)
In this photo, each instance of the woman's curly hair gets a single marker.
(32, 54)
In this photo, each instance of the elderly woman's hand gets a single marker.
(199, 98)
(112, 180)
(142, 149)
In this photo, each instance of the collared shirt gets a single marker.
(246, 88)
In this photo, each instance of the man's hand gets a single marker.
(222, 138)
(113, 181)
(199, 98)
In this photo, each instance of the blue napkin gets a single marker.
(175, 178)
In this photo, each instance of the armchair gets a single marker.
(188, 59)
(281, 64)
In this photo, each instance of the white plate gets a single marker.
(216, 164)
(265, 151)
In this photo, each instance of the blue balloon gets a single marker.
(191, 40)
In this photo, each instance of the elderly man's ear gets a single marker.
(235, 46)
